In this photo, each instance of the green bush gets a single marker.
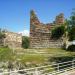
(62, 59)
(25, 42)
(71, 34)
(71, 48)
(58, 32)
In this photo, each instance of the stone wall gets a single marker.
(13, 40)
(40, 34)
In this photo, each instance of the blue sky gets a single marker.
(15, 14)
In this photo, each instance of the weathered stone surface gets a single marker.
(40, 34)
(13, 40)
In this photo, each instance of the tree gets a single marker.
(72, 19)
(25, 42)
(71, 34)
(2, 35)
(58, 32)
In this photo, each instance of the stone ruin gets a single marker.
(12, 40)
(40, 34)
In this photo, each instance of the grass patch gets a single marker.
(6, 54)
(32, 58)
(35, 57)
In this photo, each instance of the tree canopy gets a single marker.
(71, 24)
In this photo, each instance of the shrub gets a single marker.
(25, 42)
(71, 34)
(58, 32)
(62, 59)
(71, 48)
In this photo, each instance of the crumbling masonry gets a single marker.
(13, 40)
(40, 34)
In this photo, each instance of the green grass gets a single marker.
(5, 54)
(53, 52)
(36, 57)
(33, 56)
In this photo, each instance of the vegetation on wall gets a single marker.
(25, 42)
(58, 32)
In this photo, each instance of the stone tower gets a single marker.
(40, 34)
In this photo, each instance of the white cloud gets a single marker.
(25, 33)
